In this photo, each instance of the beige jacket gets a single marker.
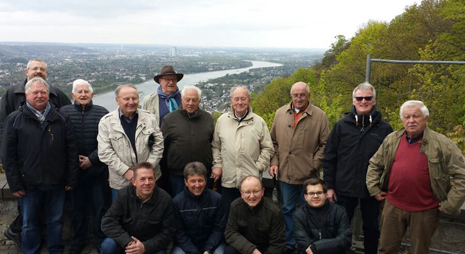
(299, 151)
(150, 103)
(445, 160)
(241, 148)
(115, 150)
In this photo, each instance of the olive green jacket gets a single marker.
(445, 160)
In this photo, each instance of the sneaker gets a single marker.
(16, 238)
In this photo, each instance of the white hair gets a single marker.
(199, 92)
(36, 80)
(413, 103)
(365, 86)
(82, 82)
(35, 60)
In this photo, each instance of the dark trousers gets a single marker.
(228, 195)
(89, 192)
(230, 250)
(17, 224)
(370, 217)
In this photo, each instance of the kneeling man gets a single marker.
(200, 215)
(321, 226)
(141, 219)
(255, 223)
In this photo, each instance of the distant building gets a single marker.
(173, 51)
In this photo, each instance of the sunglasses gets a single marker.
(367, 98)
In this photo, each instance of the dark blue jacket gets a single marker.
(351, 143)
(200, 221)
(326, 229)
(85, 126)
(35, 155)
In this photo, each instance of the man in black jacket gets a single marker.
(351, 143)
(12, 100)
(255, 224)
(187, 133)
(141, 219)
(41, 162)
(93, 174)
(321, 226)
(200, 215)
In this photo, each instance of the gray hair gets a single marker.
(236, 87)
(35, 60)
(195, 168)
(36, 80)
(413, 103)
(82, 82)
(365, 86)
(307, 89)
(118, 89)
(199, 92)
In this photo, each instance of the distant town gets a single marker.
(107, 66)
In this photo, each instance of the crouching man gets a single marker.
(255, 223)
(200, 215)
(141, 219)
(321, 226)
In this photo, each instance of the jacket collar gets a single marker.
(308, 110)
(152, 199)
(196, 114)
(248, 117)
(87, 107)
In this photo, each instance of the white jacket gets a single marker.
(115, 150)
(241, 148)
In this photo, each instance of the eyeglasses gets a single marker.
(318, 193)
(255, 192)
(300, 95)
(367, 98)
(170, 79)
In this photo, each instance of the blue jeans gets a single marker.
(290, 195)
(90, 191)
(110, 246)
(370, 214)
(176, 184)
(219, 250)
(53, 202)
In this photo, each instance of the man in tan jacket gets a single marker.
(241, 145)
(299, 136)
(411, 172)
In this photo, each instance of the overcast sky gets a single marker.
(228, 23)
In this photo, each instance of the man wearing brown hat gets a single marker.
(164, 100)
(167, 97)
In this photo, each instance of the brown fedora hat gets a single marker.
(167, 70)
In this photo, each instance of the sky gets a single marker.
(208, 23)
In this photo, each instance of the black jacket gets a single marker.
(85, 127)
(201, 221)
(260, 228)
(35, 155)
(151, 222)
(187, 139)
(348, 151)
(15, 96)
(326, 229)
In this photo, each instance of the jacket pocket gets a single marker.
(440, 181)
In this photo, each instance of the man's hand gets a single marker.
(331, 194)
(216, 173)
(256, 251)
(135, 247)
(381, 196)
(20, 193)
(68, 188)
(308, 250)
(129, 174)
(206, 252)
(273, 170)
(84, 162)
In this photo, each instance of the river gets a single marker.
(107, 100)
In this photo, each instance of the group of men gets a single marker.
(161, 162)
